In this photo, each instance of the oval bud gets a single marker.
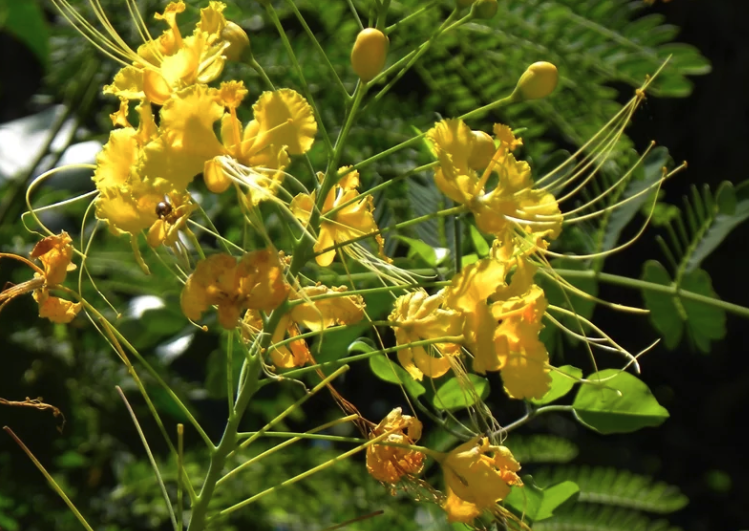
(482, 152)
(485, 9)
(239, 42)
(538, 81)
(369, 53)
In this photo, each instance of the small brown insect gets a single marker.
(163, 209)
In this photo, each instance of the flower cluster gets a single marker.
(143, 172)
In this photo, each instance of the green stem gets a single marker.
(314, 40)
(358, 357)
(305, 87)
(530, 415)
(412, 16)
(228, 440)
(402, 225)
(672, 290)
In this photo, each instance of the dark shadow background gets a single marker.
(703, 447)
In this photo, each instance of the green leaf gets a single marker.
(479, 242)
(452, 395)
(25, 20)
(733, 209)
(386, 370)
(538, 504)
(432, 256)
(671, 314)
(621, 404)
(560, 384)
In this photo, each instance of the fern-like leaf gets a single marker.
(618, 488)
(588, 517)
(541, 449)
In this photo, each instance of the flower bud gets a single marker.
(485, 9)
(369, 53)
(239, 42)
(482, 152)
(538, 81)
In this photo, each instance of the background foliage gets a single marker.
(602, 48)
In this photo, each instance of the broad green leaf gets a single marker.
(671, 314)
(386, 370)
(432, 256)
(537, 504)
(560, 384)
(453, 395)
(733, 209)
(621, 404)
(468, 259)
(479, 242)
(25, 20)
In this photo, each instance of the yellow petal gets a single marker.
(324, 241)
(187, 140)
(119, 118)
(56, 309)
(285, 119)
(301, 206)
(324, 313)
(459, 510)
(127, 83)
(114, 161)
(55, 253)
(214, 176)
(212, 21)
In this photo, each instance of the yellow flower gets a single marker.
(171, 62)
(389, 463)
(173, 214)
(55, 253)
(255, 282)
(315, 315)
(187, 145)
(513, 203)
(127, 201)
(294, 354)
(477, 476)
(521, 354)
(468, 292)
(420, 317)
(323, 313)
(346, 224)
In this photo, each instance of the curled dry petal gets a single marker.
(389, 463)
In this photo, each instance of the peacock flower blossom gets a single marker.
(477, 476)
(127, 202)
(315, 312)
(295, 353)
(172, 62)
(389, 463)
(187, 145)
(468, 293)
(521, 354)
(323, 313)
(173, 214)
(254, 282)
(351, 221)
(513, 203)
(419, 317)
(55, 253)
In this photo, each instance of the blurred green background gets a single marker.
(50, 82)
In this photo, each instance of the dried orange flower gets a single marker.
(389, 463)
(55, 253)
